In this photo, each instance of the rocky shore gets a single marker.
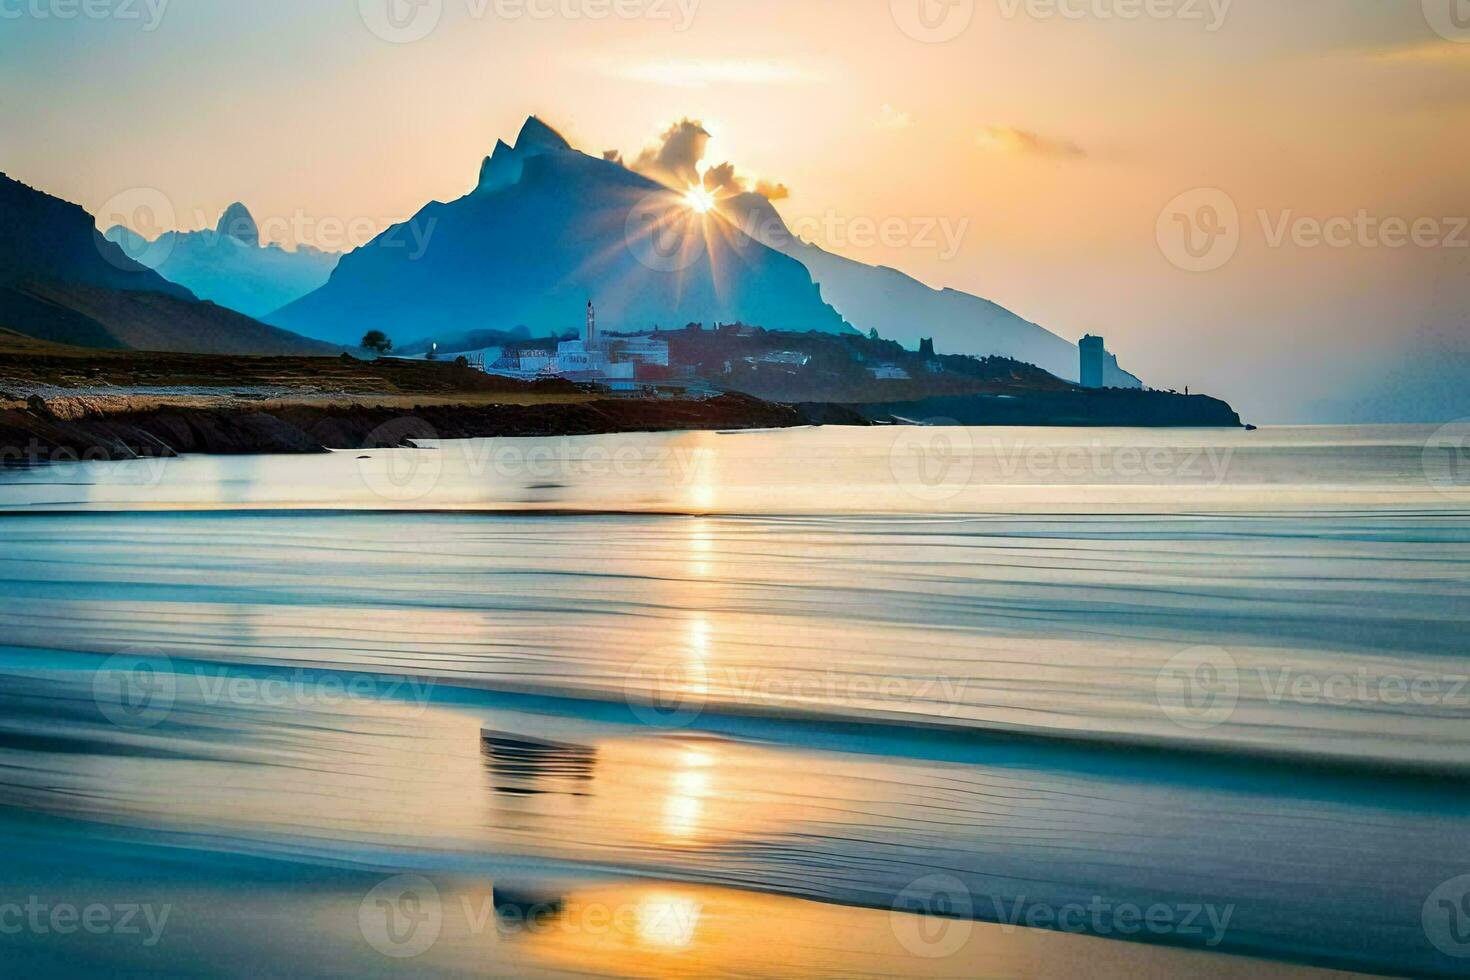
(1081, 407)
(59, 430)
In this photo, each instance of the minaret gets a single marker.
(591, 325)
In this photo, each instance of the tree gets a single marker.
(377, 340)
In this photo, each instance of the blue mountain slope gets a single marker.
(546, 229)
(228, 265)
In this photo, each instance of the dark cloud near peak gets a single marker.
(675, 160)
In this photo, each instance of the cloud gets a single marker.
(772, 191)
(704, 73)
(1429, 52)
(676, 158)
(722, 178)
(1008, 139)
(894, 119)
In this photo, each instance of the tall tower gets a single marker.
(591, 337)
(1094, 353)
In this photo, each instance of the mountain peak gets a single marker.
(237, 223)
(537, 133)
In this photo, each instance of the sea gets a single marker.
(811, 702)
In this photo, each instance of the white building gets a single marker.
(590, 357)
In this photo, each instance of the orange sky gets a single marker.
(1048, 136)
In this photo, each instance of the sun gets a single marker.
(699, 200)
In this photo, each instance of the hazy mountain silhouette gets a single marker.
(228, 265)
(545, 229)
(904, 309)
(61, 281)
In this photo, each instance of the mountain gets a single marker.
(904, 309)
(61, 281)
(545, 229)
(228, 265)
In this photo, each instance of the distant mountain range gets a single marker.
(545, 229)
(548, 227)
(228, 264)
(902, 308)
(62, 281)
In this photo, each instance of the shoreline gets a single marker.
(68, 430)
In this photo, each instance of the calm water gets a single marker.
(1046, 677)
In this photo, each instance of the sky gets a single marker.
(1262, 200)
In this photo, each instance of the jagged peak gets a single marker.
(239, 224)
(536, 133)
